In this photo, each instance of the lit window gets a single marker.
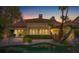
(36, 31)
(54, 31)
(46, 32)
(40, 31)
(19, 30)
(22, 30)
(31, 32)
(15, 32)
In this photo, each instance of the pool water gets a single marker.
(29, 49)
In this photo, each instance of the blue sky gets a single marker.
(47, 11)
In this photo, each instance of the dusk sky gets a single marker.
(47, 11)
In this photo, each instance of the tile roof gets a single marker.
(37, 20)
(52, 21)
(75, 22)
(20, 24)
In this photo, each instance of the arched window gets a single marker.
(40, 31)
(22, 30)
(46, 31)
(36, 31)
(33, 31)
(19, 31)
(30, 32)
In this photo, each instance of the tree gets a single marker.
(7, 14)
(64, 17)
(10, 13)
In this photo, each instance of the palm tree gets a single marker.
(63, 17)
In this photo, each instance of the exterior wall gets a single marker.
(41, 29)
(76, 31)
(55, 33)
(72, 34)
(38, 29)
(19, 32)
(71, 37)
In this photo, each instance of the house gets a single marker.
(40, 26)
(36, 26)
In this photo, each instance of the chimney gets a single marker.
(40, 16)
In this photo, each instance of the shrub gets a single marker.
(27, 39)
(65, 42)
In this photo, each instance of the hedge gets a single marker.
(39, 36)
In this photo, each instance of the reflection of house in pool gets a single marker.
(41, 26)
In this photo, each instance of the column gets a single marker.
(43, 31)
